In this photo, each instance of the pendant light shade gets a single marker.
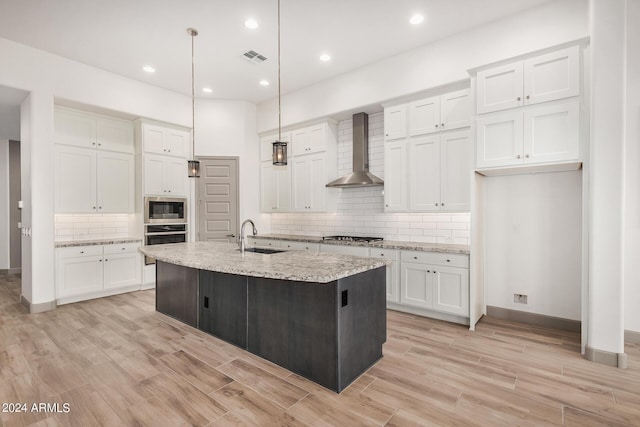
(194, 168)
(193, 165)
(279, 147)
(279, 153)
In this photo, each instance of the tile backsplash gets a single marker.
(92, 226)
(360, 211)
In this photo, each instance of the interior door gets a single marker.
(217, 198)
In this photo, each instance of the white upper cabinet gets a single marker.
(455, 171)
(424, 174)
(546, 133)
(555, 75)
(428, 174)
(310, 139)
(266, 145)
(309, 180)
(91, 181)
(395, 122)
(89, 130)
(548, 77)
(164, 139)
(395, 180)
(455, 110)
(312, 163)
(165, 176)
(551, 132)
(275, 188)
(424, 116)
(115, 183)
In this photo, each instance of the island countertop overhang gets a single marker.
(300, 266)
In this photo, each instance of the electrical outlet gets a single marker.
(520, 298)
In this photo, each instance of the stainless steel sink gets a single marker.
(263, 250)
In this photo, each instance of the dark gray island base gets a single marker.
(329, 332)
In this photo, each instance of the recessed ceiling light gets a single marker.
(207, 89)
(149, 69)
(251, 23)
(325, 57)
(264, 82)
(416, 19)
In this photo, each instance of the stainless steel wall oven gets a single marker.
(165, 210)
(165, 221)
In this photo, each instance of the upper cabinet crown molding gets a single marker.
(551, 76)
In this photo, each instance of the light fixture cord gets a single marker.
(279, 101)
(193, 100)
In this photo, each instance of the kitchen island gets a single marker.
(322, 316)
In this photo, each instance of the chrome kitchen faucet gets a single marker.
(255, 231)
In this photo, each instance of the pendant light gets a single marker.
(279, 146)
(193, 165)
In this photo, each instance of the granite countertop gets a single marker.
(113, 241)
(384, 244)
(289, 265)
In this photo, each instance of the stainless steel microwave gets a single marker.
(165, 210)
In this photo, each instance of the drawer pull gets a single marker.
(81, 252)
(448, 260)
(415, 257)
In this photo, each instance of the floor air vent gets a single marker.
(254, 57)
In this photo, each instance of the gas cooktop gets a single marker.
(353, 238)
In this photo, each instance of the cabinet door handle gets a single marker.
(428, 271)
(441, 204)
(106, 260)
(99, 144)
(518, 98)
(99, 207)
(94, 208)
(100, 261)
(81, 252)
(434, 272)
(518, 156)
(527, 96)
(436, 125)
(448, 260)
(436, 204)
(415, 257)
(124, 249)
(526, 155)
(443, 125)
(230, 235)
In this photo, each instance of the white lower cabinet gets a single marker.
(85, 272)
(435, 281)
(393, 271)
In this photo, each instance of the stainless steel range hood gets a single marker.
(360, 177)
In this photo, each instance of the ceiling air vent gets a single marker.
(254, 57)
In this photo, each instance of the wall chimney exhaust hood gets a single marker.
(360, 177)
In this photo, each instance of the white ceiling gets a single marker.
(123, 35)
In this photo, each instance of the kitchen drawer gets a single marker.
(263, 243)
(436, 258)
(121, 248)
(79, 251)
(389, 254)
(300, 246)
(345, 250)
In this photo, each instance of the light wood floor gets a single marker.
(116, 361)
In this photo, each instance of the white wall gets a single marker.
(48, 77)
(532, 238)
(4, 205)
(632, 167)
(433, 65)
